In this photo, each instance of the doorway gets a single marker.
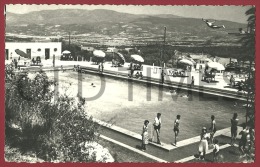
(28, 52)
(6, 54)
(47, 54)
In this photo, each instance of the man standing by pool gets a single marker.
(157, 126)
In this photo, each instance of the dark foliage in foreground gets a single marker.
(53, 127)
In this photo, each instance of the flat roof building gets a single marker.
(46, 50)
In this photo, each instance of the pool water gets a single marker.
(115, 106)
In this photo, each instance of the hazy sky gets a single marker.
(231, 13)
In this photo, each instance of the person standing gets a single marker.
(192, 82)
(15, 63)
(212, 129)
(243, 140)
(176, 129)
(53, 61)
(145, 136)
(99, 67)
(232, 81)
(102, 67)
(203, 146)
(157, 127)
(162, 76)
(234, 123)
(215, 151)
(131, 69)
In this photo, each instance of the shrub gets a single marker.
(53, 127)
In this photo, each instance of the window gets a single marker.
(55, 49)
(39, 49)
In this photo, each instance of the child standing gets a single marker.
(176, 129)
(145, 136)
(234, 123)
(215, 150)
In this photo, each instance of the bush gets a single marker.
(37, 120)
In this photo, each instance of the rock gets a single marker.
(95, 150)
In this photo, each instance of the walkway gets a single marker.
(184, 152)
(152, 74)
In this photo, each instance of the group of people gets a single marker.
(132, 68)
(156, 129)
(240, 85)
(246, 142)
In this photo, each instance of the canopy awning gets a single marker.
(121, 56)
(216, 65)
(66, 52)
(185, 61)
(99, 53)
(208, 60)
(137, 58)
(21, 53)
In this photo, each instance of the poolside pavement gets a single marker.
(185, 152)
(152, 72)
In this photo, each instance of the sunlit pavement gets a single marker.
(182, 153)
(154, 72)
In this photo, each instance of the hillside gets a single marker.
(111, 24)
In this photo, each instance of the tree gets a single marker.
(248, 44)
(54, 127)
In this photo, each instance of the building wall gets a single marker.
(42, 49)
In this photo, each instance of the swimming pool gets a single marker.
(129, 112)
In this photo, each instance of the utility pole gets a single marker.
(164, 42)
(69, 41)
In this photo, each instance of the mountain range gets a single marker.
(111, 23)
(76, 16)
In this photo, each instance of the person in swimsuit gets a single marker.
(211, 24)
(243, 140)
(176, 129)
(145, 136)
(215, 150)
(157, 127)
(234, 123)
(212, 128)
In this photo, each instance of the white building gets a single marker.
(110, 49)
(46, 50)
(87, 48)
